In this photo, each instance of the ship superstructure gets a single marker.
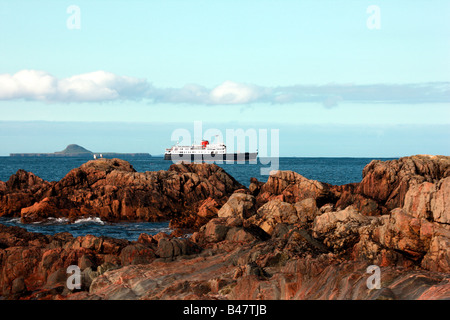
(206, 151)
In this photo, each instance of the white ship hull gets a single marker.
(207, 152)
(245, 156)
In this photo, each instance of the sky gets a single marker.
(334, 78)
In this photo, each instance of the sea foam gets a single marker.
(90, 220)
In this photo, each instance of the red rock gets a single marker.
(208, 208)
(113, 190)
(215, 230)
(147, 239)
(418, 200)
(348, 196)
(255, 186)
(237, 234)
(307, 211)
(44, 209)
(429, 201)
(23, 180)
(273, 213)
(239, 205)
(292, 187)
(340, 230)
(136, 254)
(388, 182)
(169, 248)
(312, 253)
(437, 257)
(402, 232)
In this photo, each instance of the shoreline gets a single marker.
(127, 230)
(286, 238)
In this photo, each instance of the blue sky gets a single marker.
(312, 69)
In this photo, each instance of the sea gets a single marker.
(336, 171)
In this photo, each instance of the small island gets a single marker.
(74, 150)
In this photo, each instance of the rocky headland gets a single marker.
(286, 238)
(74, 150)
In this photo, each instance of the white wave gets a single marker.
(59, 220)
(15, 220)
(90, 219)
(52, 220)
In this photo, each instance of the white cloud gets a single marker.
(231, 92)
(94, 86)
(105, 86)
(28, 84)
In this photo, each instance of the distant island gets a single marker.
(74, 150)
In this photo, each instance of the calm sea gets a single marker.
(335, 171)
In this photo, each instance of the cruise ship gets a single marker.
(206, 152)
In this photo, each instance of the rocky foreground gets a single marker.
(287, 238)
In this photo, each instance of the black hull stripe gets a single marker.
(247, 156)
